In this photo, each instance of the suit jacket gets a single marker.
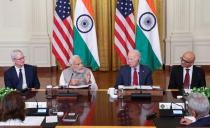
(11, 78)
(202, 122)
(176, 78)
(124, 76)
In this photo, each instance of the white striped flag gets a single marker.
(124, 30)
(62, 41)
(85, 42)
(147, 37)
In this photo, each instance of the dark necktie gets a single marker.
(20, 79)
(187, 79)
(135, 77)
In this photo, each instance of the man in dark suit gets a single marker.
(134, 73)
(186, 75)
(198, 107)
(21, 76)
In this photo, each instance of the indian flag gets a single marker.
(85, 42)
(147, 37)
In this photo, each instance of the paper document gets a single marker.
(129, 87)
(148, 87)
(34, 104)
(164, 105)
(29, 121)
(136, 87)
(33, 120)
(155, 87)
(178, 106)
(79, 86)
(51, 119)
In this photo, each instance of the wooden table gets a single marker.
(99, 109)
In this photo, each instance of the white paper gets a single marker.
(79, 86)
(178, 106)
(56, 87)
(129, 87)
(51, 119)
(33, 120)
(155, 87)
(29, 121)
(34, 104)
(164, 105)
(148, 87)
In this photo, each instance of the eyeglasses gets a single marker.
(21, 58)
(185, 61)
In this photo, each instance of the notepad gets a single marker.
(51, 119)
(34, 104)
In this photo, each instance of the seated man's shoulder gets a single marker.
(176, 67)
(197, 67)
(67, 69)
(145, 67)
(124, 67)
(9, 70)
(29, 66)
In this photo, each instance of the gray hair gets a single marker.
(14, 53)
(198, 103)
(73, 58)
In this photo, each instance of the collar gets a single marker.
(137, 67)
(19, 68)
(190, 68)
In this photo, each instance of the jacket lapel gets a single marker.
(129, 76)
(182, 75)
(193, 75)
(14, 73)
(140, 73)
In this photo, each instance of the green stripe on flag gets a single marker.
(81, 49)
(148, 56)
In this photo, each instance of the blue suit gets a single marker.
(11, 78)
(124, 76)
(202, 122)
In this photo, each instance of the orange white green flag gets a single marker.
(85, 41)
(147, 37)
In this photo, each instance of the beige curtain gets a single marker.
(104, 11)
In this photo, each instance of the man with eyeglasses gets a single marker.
(134, 73)
(186, 75)
(77, 74)
(21, 76)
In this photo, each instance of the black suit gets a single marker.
(124, 76)
(11, 78)
(176, 78)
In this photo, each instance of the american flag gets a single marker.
(124, 29)
(62, 41)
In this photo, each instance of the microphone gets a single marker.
(39, 111)
(37, 105)
(70, 79)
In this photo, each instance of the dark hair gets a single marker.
(12, 107)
